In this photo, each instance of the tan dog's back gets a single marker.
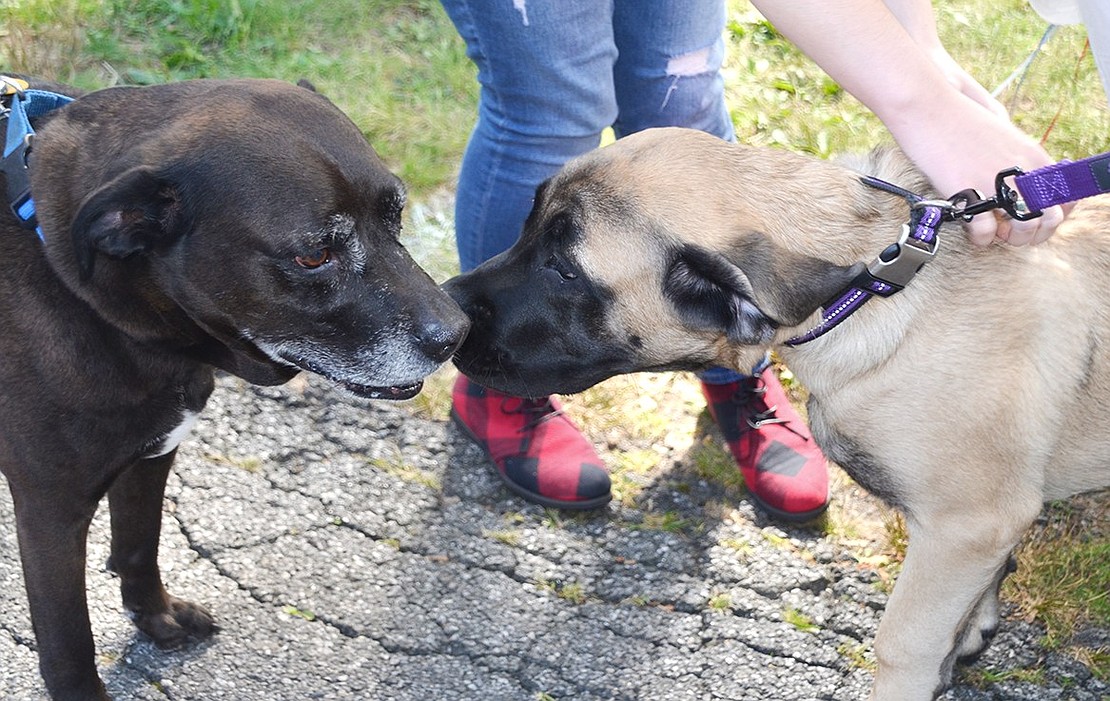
(1076, 289)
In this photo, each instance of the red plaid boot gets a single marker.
(785, 472)
(539, 453)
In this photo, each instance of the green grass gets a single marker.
(779, 97)
(721, 603)
(395, 66)
(1063, 579)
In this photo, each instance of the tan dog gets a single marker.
(966, 400)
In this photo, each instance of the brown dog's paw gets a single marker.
(181, 622)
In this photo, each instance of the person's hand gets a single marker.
(961, 80)
(948, 125)
(965, 144)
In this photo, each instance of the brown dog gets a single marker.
(240, 225)
(966, 400)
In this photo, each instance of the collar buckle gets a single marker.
(19, 104)
(899, 262)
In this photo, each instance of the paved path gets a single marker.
(354, 550)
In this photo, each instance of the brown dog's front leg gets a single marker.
(135, 503)
(52, 531)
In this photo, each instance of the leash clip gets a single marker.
(965, 204)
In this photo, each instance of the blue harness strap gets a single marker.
(17, 110)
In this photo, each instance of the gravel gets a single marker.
(359, 550)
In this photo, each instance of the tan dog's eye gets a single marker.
(554, 264)
(314, 260)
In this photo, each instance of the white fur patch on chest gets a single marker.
(173, 439)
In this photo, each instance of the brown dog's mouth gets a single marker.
(285, 357)
(395, 392)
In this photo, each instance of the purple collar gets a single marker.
(894, 267)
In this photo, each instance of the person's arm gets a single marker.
(917, 17)
(956, 140)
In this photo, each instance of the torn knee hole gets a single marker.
(693, 63)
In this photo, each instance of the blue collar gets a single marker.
(18, 106)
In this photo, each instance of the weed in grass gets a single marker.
(573, 592)
(510, 538)
(898, 538)
(721, 603)
(1063, 579)
(553, 519)
(434, 400)
(713, 462)
(47, 37)
(629, 404)
(799, 620)
(742, 548)
(408, 473)
(298, 613)
(1097, 660)
(249, 463)
(777, 540)
(668, 522)
(630, 472)
(108, 657)
(858, 656)
(984, 677)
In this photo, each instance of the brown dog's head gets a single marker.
(247, 223)
(669, 249)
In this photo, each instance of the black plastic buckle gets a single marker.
(18, 179)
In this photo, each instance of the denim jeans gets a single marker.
(554, 74)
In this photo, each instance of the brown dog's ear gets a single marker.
(136, 212)
(711, 293)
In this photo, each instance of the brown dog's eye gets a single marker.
(315, 259)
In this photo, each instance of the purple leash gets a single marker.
(892, 270)
(1064, 182)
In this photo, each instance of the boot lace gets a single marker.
(536, 411)
(750, 396)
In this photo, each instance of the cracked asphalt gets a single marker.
(360, 550)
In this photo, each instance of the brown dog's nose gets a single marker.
(439, 339)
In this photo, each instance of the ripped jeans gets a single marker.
(554, 74)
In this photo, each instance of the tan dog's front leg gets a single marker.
(952, 563)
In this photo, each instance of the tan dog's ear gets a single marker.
(756, 289)
(137, 211)
(711, 293)
(789, 286)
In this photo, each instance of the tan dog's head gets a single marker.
(668, 250)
